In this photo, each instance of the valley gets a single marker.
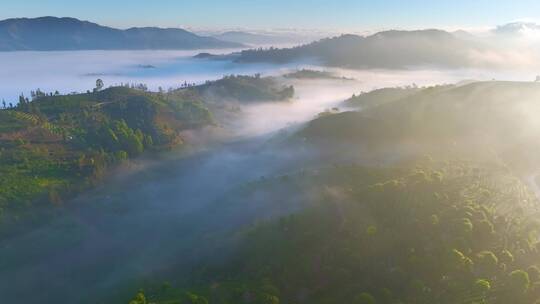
(152, 165)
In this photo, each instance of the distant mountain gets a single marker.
(516, 28)
(261, 39)
(461, 34)
(51, 33)
(389, 49)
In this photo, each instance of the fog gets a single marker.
(77, 71)
(162, 217)
(315, 96)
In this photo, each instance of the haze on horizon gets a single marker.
(362, 152)
(340, 15)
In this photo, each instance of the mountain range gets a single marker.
(388, 49)
(516, 28)
(52, 34)
(267, 38)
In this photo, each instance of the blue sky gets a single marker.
(308, 14)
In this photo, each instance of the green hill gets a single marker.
(55, 146)
(245, 89)
(388, 49)
(313, 74)
(379, 97)
(459, 226)
(430, 232)
(486, 119)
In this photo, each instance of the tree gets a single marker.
(487, 262)
(458, 261)
(99, 85)
(534, 273)
(139, 299)
(371, 230)
(364, 298)
(519, 281)
(507, 257)
(192, 298)
(482, 286)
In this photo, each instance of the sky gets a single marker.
(275, 14)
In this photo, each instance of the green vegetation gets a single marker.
(482, 121)
(461, 228)
(313, 74)
(245, 89)
(440, 232)
(380, 96)
(55, 146)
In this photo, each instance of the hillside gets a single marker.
(390, 49)
(498, 117)
(245, 89)
(379, 97)
(449, 220)
(313, 75)
(57, 145)
(257, 39)
(429, 232)
(51, 34)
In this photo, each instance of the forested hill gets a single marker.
(54, 146)
(51, 33)
(57, 145)
(245, 89)
(452, 222)
(390, 49)
(499, 117)
(430, 232)
(260, 39)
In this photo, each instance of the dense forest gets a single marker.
(313, 75)
(432, 231)
(483, 120)
(445, 222)
(422, 195)
(267, 152)
(54, 146)
(245, 89)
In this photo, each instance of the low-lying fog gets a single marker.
(77, 71)
(170, 215)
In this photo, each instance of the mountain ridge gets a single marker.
(387, 49)
(66, 33)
